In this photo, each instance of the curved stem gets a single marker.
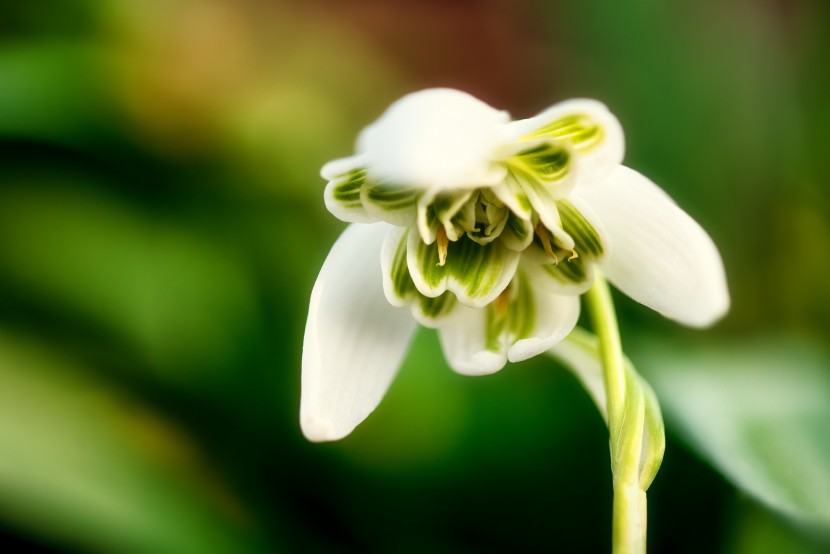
(626, 407)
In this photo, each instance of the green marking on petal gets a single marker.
(518, 233)
(542, 200)
(432, 309)
(391, 197)
(447, 206)
(523, 309)
(391, 203)
(546, 161)
(580, 130)
(402, 284)
(400, 288)
(466, 216)
(495, 323)
(343, 196)
(586, 238)
(572, 272)
(426, 220)
(476, 274)
(512, 195)
(347, 189)
(513, 313)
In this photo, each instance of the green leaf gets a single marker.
(175, 298)
(758, 531)
(759, 412)
(53, 90)
(89, 466)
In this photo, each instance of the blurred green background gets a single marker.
(162, 224)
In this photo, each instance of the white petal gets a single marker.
(597, 152)
(354, 340)
(662, 258)
(463, 337)
(439, 138)
(556, 316)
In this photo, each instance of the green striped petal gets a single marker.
(352, 195)
(342, 196)
(554, 316)
(399, 287)
(430, 312)
(518, 233)
(492, 218)
(397, 284)
(547, 164)
(582, 224)
(513, 314)
(580, 130)
(525, 320)
(476, 274)
(390, 202)
(544, 205)
(568, 276)
(441, 209)
(512, 195)
(586, 126)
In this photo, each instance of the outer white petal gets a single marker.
(439, 138)
(594, 159)
(662, 258)
(354, 340)
(463, 338)
(556, 316)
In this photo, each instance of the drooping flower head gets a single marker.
(487, 230)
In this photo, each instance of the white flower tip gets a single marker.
(525, 349)
(484, 362)
(712, 310)
(318, 429)
(707, 300)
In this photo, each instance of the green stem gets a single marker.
(626, 407)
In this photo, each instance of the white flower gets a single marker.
(488, 230)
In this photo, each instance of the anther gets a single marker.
(443, 243)
(544, 236)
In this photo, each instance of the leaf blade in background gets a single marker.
(87, 465)
(759, 412)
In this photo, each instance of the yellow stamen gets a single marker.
(544, 236)
(573, 256)
(443, 242)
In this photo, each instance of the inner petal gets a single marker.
(476, 273)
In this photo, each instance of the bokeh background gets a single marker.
(162, 224)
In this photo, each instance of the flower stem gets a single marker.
(628, 401)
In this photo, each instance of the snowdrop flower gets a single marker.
(488, 230)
